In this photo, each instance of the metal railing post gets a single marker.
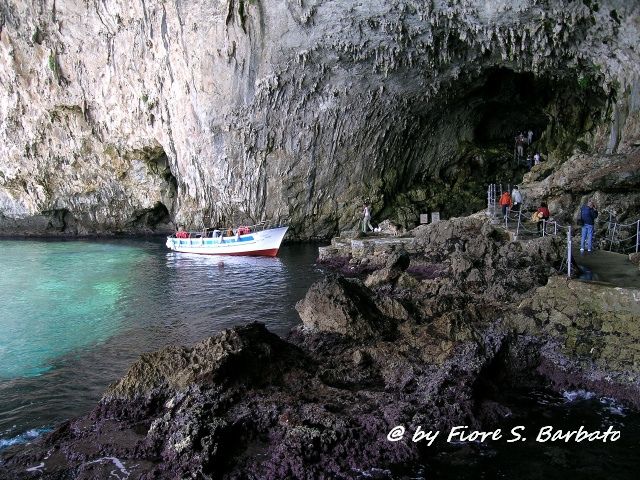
(518, 225)
(613, 233)
(488, 199)
(569, 251)
(555, 228)
(637, 236)
(544, 227)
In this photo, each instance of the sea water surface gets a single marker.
(75, 314)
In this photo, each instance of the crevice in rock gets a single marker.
(150, 218)
(59, 220)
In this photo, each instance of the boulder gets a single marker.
(249, 354)
(343, 306)
(396, 263)
(595, 331)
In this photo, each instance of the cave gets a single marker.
(160, 215)
(149, 219)
(304, 110)
(508, 103)
(466, 138)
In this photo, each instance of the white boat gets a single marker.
(256, 242)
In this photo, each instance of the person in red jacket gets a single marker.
(505, 203)
(181, 233)
(543, 214)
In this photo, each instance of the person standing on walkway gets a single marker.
(516, 198)
(520, 145)
(505, 203)
(543, 215)
(366, 221)
(529, 137)
(536, 159)
(588, 214)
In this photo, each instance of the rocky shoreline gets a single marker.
(434, 335)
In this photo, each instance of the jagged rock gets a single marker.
(399, 261)
(392, 308)
(341, 306)
(248, 354)
(434, 351)
(594, 322)
(596, 331)
(591, 177)
(318, 414)
(396, 263)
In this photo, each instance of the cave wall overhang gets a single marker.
(280, 109)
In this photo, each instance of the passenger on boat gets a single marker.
(230, 232)
(181, 233)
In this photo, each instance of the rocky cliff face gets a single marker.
(127, 116)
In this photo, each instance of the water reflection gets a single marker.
(159, 298)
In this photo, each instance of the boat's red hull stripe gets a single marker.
(269, 252)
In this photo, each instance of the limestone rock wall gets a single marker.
(594, 325)
(128, 116)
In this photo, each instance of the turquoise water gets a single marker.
(57, 298)
(75, 314)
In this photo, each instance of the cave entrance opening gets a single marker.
(509, 103)
(160, 215)
(469, 139)
(559, 110)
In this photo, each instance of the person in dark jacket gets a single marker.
(588, 214)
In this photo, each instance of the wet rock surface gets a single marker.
(428, 348)
(595, 330)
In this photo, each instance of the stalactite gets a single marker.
(255, 93)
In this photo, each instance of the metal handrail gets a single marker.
(613, 228)
(258, 227)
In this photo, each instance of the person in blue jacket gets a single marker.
(588, 214)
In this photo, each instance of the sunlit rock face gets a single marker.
(132, 116)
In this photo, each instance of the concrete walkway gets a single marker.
(607, 267)
(598, 266)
